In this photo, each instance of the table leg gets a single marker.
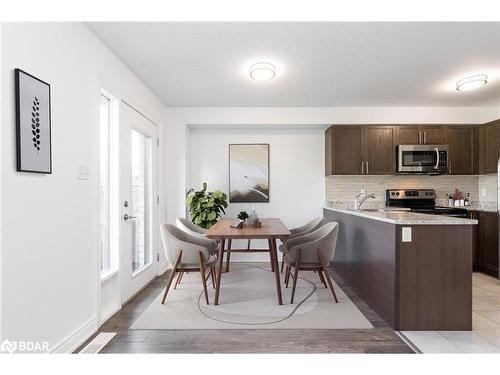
(219, 271)
(271, 255)
(274, 257)
(228, 256)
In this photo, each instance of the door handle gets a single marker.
(437, 158)
(126, 217)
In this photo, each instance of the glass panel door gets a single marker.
(139, 225)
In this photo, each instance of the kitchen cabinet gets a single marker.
(378, 152)
(343, 150)
(462, 142)
(415, 135)
(355, 150)
(485, 250)
(489, 145)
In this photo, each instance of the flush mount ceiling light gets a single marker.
(472, 82)
(262, 71)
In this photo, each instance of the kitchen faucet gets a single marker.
(358, 202)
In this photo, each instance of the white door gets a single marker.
(138, 202)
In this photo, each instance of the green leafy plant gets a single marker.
(243, 215)
(205, 207)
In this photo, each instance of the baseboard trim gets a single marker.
(71, 342)
(162, 268)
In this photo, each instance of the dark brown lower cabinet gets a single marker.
(485, 254)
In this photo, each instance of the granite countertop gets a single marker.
(405, 217)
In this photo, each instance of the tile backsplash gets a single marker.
(340, 190)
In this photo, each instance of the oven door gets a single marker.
(430, 159)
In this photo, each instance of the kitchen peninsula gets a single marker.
(413, 269)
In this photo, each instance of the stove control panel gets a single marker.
(410, 194)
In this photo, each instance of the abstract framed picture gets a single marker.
(249, 173)
(33, 138)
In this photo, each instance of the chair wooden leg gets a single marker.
(295, 275)
(288, 274)
(320, 274)
(212, 272)
(282, 262)
(228, 256)
(178, 281)
(327, 275)
(171, 277)
(203, 279)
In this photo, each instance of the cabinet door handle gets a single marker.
(425, 137)
(367, 167)
(449, 167)
(419, 137)
(362, 167)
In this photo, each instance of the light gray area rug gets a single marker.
(248, 300)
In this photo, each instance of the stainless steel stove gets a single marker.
(422, 201)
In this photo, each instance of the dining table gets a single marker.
(270, 229)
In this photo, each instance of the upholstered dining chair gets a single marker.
(304, 229)
(188, 253)
(312, 252)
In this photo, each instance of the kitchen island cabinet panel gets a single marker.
(423, 282)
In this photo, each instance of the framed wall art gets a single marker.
(249, 173)
(33, 128)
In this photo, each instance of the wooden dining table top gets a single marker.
(271, 228)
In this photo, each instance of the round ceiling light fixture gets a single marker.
(472, 82)
(262, 71)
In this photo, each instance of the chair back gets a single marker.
(323, 238)
(188, 226)
(308, 227)
(175, 239)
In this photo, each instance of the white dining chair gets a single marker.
(312, 252)
(188, 253)
(298, 231)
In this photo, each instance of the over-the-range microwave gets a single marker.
(429, 159)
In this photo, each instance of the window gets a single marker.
(108, 198)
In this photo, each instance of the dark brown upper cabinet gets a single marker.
(462, 142)
(419, 135)
(343, 150)
(355, 150)
(377, 150)
(489, 147)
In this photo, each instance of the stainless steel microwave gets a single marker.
(429, 159)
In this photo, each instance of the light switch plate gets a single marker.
(83, 172)
(406, 234)
(483, 192)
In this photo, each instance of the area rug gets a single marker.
(248, 300)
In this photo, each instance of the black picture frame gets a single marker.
(268, 173)
(18, 73)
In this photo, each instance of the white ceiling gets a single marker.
(318, 64)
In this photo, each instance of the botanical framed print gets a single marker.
(249, 173)
(33, 138)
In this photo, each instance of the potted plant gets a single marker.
(243, 216)
(205, 207)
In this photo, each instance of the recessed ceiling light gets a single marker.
(472, 82)
(262, 71)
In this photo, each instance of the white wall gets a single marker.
(49, 252)
(297, 165)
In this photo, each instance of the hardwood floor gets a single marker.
(381, 339)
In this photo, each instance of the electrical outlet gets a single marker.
(483, 192)
(406, 234)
